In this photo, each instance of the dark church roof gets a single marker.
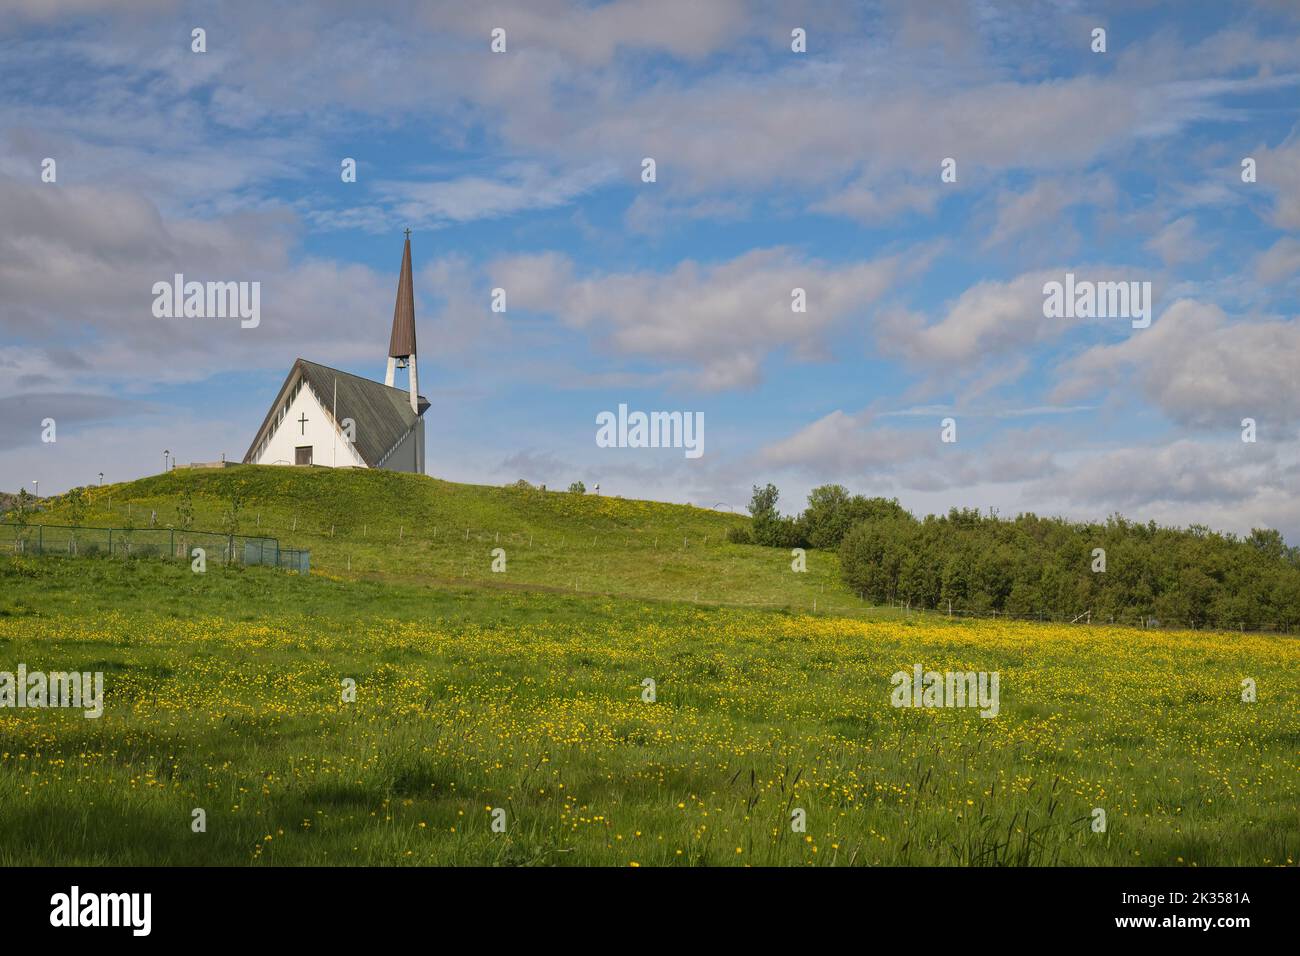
(383, 415)
(402, 342)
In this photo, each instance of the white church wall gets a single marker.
(328, 445)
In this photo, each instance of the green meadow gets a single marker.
(403, 713)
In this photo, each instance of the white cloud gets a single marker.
(1280, 263)
(718, 319)
(856, 448)
(78, 265)
(467, 198)
(876, 203)
(843, 444)
(1176, 243)
(1043, 204)
(1278, 171)
(988, 319)
(1202, 369)
(1181, 472)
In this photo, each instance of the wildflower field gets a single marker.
(223, 693)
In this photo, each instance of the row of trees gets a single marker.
(831, 512)
(1029, 566)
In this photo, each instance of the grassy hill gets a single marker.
(411, 528)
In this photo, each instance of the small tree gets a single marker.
(827, 515)
(128, 527)
(185, 519)
(769, 526)
(230, 519)
(230, 522)
(22, 507)
(763, 504)
(76, 499)
(767, 520)
(578, 488)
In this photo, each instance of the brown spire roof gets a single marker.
(402, 342)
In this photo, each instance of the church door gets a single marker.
(302, 455)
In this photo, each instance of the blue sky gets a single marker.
(775, 169)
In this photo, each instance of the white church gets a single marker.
(323, 416)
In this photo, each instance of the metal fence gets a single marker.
(268, 551)
(175, 543)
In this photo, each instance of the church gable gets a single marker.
(381, 416)
(378, 417)
(299, 430)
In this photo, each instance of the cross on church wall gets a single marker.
(303, 422)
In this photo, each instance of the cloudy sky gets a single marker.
(775, 170)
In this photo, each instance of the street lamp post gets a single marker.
(166, 454)
(101, 477)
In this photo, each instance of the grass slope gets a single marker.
(223, 693)
(391, 526)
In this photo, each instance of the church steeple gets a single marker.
(401, 344)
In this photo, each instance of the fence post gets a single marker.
(173, 543)
(40, 539)
(110, 542)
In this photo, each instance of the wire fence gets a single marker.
(169, 543)
(1087, 618)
